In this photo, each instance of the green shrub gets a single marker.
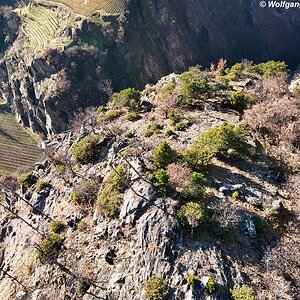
(149, 132)
(75, 197)
(243, 293)
(161, 181)
(60, 169)
(198, 157)
(129, 135)
(126, 98)
(223, 83)
(133, 116)
(82, 226)
(191, 214)
(181, 126)
(84, 193)
(48, 249)
(169, 88)
(271, 68)
(109, 115)
(82, 285)
(211, 286)
(236, 72)
(235, 196)
(112, 194)
(41, 185)
(101, 109)
(196, 187)
(190, 120)
(169, 133)
(87, 150)
(164, 155)
(192, 280)
(238, 101)
(27, 179)
(156, 288)
(194, 90)
(174, 116)
(227, 140)
(152, 129)
(272, 213)
(296, 91)
(260, 224)
(187, 77)
(57, 226)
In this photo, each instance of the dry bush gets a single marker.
(165, 103)
(272, 88)
(9, 183)
(283, 259)
(10, 24)
(63, 83)
(179, 175)
(292, 186)
(84, 119)
(275, 121)
(116, 129)
(219, 69)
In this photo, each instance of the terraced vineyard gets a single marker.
(18, 150)
(39, 24)
(88, 7)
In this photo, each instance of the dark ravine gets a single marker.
(153, 39)
(178, 34)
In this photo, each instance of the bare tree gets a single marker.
(179, 175)
(85, 119)
(165, 103)
(274, 121)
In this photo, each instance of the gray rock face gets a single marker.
(38, 201)
(135, 201)
(250, 228)
(155, 225)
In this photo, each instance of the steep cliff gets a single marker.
(154, 38)
(165, 36)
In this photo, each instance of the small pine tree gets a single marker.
(48, 249)
(156, 288)
(192, 214)
(86, 150)
(126, 98)
(164, 155)
(243, 293)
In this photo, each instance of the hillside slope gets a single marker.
(179, 192)
(18, 150)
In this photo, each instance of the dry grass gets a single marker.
(18, 149)
(88, 7)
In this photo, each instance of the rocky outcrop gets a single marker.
(146, 236)
(44, 91)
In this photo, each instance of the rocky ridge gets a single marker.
(146, 239)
